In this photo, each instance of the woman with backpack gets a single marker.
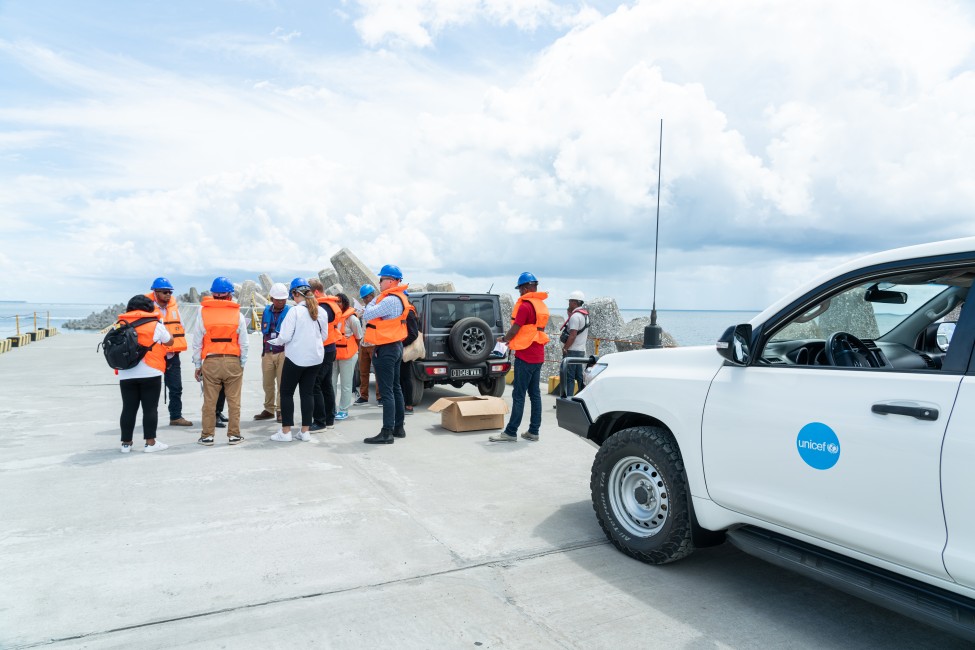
(303, 334)
(141, 384)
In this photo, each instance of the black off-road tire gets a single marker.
(640, 495)
(493, 386)
(471, 340)
(418, 386)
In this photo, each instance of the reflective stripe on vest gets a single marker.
(221, 318)
(347, 346)
(156, 356)
(531, 332)
(381, 332)
(172, 323)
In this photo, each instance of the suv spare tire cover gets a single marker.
(471, 340)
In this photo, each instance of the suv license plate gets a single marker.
(467, 372)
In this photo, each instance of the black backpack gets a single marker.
(121, 345)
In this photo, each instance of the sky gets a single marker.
(471, 140)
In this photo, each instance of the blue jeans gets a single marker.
(387, 360)
(527, 376)
(174, 384)
(574, 374)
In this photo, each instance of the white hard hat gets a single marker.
(279, 291)
(577, 295)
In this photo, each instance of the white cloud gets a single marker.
(416, 23)
(795, 136)
(284, 35)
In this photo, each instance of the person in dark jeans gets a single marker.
(386, 329)
(527, 338)
(406, 367)
(324, 417)
(574, 337)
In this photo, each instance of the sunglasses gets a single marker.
(163, 291)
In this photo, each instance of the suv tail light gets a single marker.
(436, 370)
(500, 367)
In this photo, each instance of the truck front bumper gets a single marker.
(573, 416)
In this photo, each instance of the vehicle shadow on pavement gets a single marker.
(571, 524)
(716, 591)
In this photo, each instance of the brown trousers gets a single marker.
(365, 361)
(226, 373)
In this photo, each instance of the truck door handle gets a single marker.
(919, 412)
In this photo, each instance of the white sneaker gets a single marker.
(126, 448)
(159, 446)
(281, 436)
(304, 436)
(503, 437)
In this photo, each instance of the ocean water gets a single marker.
(693, 327)
(59, 313)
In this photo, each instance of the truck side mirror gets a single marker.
(735, 344)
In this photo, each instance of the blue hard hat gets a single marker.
(299, 283)
(525, 278)
(161, 283)
(366, 290)
(222, 285)
(391, 271)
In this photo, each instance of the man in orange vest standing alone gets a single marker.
(385, 326)
(527, 338)
(162, 296)
(219, 354)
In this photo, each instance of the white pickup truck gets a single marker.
(834, 434)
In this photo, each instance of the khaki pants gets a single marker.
(272, 363)
(226, 373)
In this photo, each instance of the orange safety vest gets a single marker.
(172, 323)
(221, 318)
(333, 332)
(347, 346)
(156, 356)
(531, 332)
(381, 332)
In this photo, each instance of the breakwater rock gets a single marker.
(98, 320)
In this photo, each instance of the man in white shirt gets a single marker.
(575, 335)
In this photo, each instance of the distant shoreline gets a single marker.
(12, 301)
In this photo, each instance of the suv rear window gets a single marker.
(447, 311)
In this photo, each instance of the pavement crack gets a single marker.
(492, 563)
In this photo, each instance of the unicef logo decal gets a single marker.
(818, 445)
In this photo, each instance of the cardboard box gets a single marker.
(470, 413)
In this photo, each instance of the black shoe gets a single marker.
(220, 425)
(385, 437)
(399, 432)
(222, 418)
(316, 427)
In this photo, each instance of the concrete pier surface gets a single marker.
(441, 540)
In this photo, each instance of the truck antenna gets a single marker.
(652, 332)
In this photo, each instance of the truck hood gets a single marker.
(697, 362)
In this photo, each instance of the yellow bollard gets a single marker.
(17, 319)
(595, 347)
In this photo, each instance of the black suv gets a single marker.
(459, 332)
